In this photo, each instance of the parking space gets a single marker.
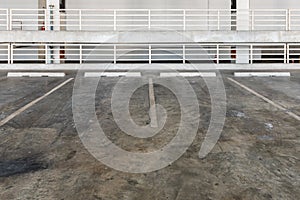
(283, 91)
(256, 157)
(18, 92)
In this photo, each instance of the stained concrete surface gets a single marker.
(257, 156)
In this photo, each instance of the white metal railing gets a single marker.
(4, 19)
(267, 19)
(4, 53)
(218, 53)
(293, 53)
(294, 21)
(149, 19)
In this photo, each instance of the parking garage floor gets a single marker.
(256, 157)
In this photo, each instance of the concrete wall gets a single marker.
(275, 4)
(215, 4)
(28, 4)
(146, 4)
(155, 4)
(164, 4)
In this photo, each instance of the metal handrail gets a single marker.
(150, 19)
(218, 53)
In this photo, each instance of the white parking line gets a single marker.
(188, 74)
(13, 115)
(262, 74)
(35, 74)
(111, 74)
(152, 114)
(266, 99)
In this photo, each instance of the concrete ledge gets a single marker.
(150, 36)
(148, 67)
(188, 74)
(111, 74)
(262, 74)
(35, 74)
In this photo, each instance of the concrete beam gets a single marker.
(150, 37)
(148, 67)
(35, 74)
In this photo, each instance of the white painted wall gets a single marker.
(275, 4)
(242, 52)
(29, 4)
(254, 4)
(217, 4)
(147, 4)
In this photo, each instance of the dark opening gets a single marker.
(62, 4)
(233, 4)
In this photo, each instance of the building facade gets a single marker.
(229, 34)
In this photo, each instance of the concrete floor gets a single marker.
(257, 156)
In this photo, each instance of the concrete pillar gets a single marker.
(243, 20)
(53, 15)
(242, 54)
(243, 15)
(41, 22)
(53, 24)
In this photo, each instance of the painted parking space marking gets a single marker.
(35, 74)
(188, 74)
(262, 74)
(266, 99)
(111, 74)
(19, 111)
(152, 114)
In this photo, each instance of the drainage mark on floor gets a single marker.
(21, 166)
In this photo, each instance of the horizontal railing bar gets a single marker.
(161, 44)
(205, 52)
(185, 18)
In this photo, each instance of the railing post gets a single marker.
(10, 19)
(80, 20)
(289, 13)
(218, 20)
(183, 54)
(184, 20)
(150, 54)
(115, 20)
(8, 54)
(252, 20)
(46, 54)
(218, 54)
(12, 54)
(45, 19)
(149, 20)
(288, 53)
(115, 54)
(251, 54)
(284, 53)
(80, 53)
(7, 20)
(287, 20)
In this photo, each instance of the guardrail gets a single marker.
(149, 19)
(4, 19)
(293, 53)
(218, 53)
